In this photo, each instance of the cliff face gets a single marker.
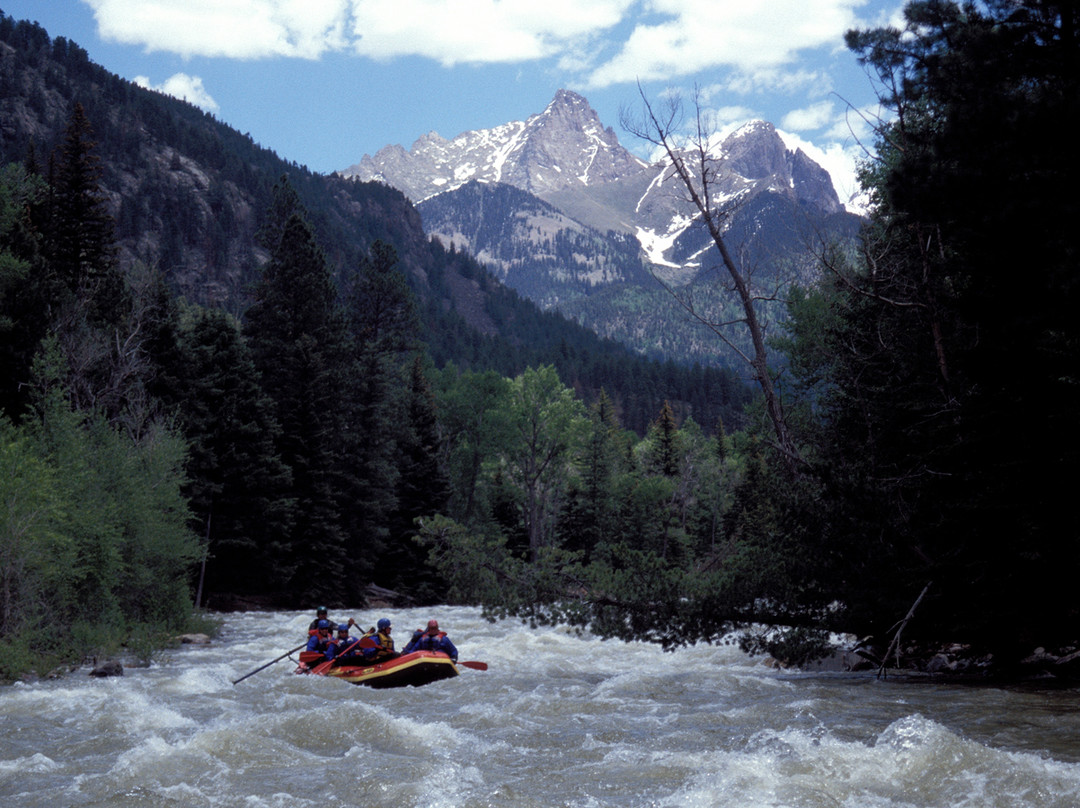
(557, 209)
(565, 146)
(565, 157)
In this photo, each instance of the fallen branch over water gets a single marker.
(895, 644)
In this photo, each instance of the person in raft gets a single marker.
(320, 614)
(320, 640)
(384, 643)
(431, 639)
(344, 649)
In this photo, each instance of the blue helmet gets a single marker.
(323, 624)
(343, 627)
(384, 623)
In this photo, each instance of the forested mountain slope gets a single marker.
(190, 195)
(564, 214)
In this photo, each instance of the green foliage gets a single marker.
(30, 540)
(238, 487)
(545, 424)
(472, 567)
(95, 531)
(940, 360)
(634, 553)
(470, 407)
(22, 311)
(124, 518)
(94, 515)
(296, 330)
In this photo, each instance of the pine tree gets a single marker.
(589, 516)
(23, 301)
(297, 335)
(80, 246)
(238, 487)
(949, 430)
(665, 455)
(422, 489)
(382, 328)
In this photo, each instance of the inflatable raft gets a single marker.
(415, 669)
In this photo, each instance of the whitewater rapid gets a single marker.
(557, 720)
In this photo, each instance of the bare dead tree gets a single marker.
(698, 171)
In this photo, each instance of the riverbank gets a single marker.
(956, 662)
(140, 647)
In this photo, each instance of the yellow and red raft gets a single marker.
(415, 669)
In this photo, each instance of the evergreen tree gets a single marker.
(238, 488)
(382, 326)
(948, 428)
(589, 517)
(79, 245)
(422, 490)
(664, 435)
(22, 301)
(284, 204)
(297, 335)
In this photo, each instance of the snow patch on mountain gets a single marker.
(566, 157)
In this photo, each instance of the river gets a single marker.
(556, 720)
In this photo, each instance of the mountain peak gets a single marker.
(568, 105)
(562, 147)
(565, 97)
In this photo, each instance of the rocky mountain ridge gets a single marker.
(563, 146)
(566, 157)
(190, 195)
(560, 211)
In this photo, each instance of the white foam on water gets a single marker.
(208, 679)
(914, 763)
(558, 719)
(22, 766)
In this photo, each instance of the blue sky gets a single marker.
(323, 82)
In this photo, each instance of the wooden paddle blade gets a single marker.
(472, 663)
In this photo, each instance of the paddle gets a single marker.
(271, 662)
(472, 663)
(323, 667)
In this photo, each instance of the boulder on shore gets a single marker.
(193, 639)
(110, 668)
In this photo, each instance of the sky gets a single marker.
(324, 82)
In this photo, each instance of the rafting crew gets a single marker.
(375, 645)
(344, 649)
(320, 640)
(320, 614)
(431, 639)
(383, 644)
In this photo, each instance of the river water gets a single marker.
(556, 720)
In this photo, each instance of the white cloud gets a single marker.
(650, 39)
(237, 29)
(185, 87)
(816, 116)
(448, 31)
(771, 79)
(748, 35)
(472, 31)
